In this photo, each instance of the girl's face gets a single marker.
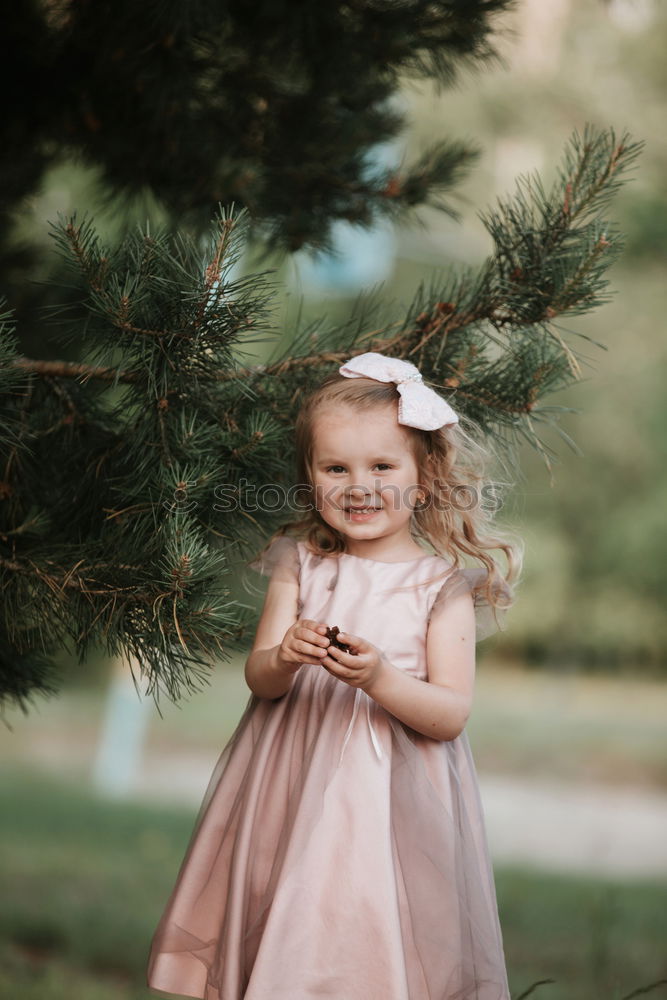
(364, 460)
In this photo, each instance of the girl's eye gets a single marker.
(334, 468)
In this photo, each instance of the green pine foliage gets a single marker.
(492, 339)
(272, 105)
(125, 474)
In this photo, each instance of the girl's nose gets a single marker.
(360, 493)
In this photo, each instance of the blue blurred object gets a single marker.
(121, 741)
(360, 256)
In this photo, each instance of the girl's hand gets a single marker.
(304, 642)
(361, 667)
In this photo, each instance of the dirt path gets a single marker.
(587, 828)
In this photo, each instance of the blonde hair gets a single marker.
(450, 463)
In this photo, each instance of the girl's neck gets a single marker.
(384, 553)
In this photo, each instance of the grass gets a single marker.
(85, 880)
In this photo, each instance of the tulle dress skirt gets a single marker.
(337, 853)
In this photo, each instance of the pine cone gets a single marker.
(332, 632)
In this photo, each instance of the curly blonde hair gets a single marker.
(451, 464)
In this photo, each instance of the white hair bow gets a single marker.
(418, 405)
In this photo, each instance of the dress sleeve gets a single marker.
(488, 618)
(279, 560)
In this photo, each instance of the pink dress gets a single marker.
(337, 852)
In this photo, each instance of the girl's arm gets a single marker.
(265, 675)
(438, 707)
(282, 642)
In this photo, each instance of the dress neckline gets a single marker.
(383, 562)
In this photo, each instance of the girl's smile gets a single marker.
(363, 514)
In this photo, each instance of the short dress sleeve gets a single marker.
(488, 618)
(279, 560)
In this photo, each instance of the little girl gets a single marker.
(340, 848)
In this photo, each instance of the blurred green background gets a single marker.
(99, 790)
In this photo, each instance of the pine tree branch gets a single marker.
(72, 369)
(110, 509)
(140, 96)
(73, 578)
(84, 581)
